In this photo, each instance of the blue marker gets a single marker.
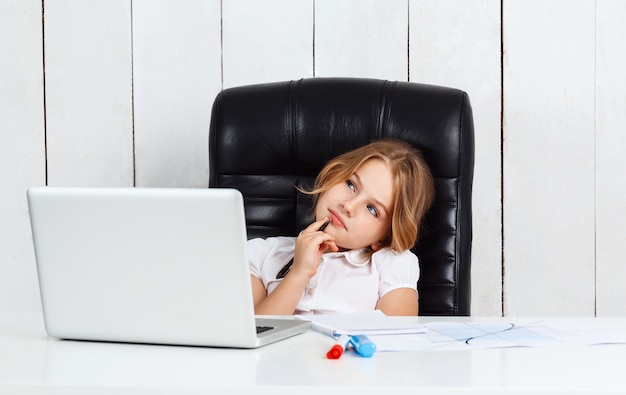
(362, 345)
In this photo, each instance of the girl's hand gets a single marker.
(310, 245)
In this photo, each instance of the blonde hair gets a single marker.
(413, 185)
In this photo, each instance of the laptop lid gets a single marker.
(146, 265)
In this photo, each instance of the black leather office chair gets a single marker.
(265, 139)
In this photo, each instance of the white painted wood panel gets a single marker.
(610, 159)
(266, 41)
(89, 92)
(361, 38)
(22, 148)
(457, 44)
(177, 74)
(549, 158)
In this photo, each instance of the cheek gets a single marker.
(329, 197)
(384, 230)
(321, 207)
(374, 230)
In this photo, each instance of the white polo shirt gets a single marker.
(345, 282)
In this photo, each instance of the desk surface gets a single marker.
(30, 363)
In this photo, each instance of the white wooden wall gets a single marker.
(129, 86)
(564, 172)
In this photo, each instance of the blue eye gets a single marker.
(350, 185)
(372, 210)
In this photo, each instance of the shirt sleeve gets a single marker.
(257, 251)
(268, 256)
(396, 270)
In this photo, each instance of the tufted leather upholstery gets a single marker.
(266, 138)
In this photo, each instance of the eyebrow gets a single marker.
(374, 199)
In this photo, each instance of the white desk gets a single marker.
(30, 363)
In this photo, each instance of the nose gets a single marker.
(349, 206)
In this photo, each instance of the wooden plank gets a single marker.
(267, 41)
(22, 162)
(549, 158)
(177, 74)
(610, 160)
(361, 38)
(457, 43)
(89, 92)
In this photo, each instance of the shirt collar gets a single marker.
(360, 257)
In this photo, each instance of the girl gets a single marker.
(368, 206)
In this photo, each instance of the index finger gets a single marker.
(321, 229)
(318, 225)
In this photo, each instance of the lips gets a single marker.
(336, 219)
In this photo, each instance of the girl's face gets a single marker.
(360, 208)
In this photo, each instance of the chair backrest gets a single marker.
(265, 139)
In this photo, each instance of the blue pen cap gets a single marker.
(362, 345)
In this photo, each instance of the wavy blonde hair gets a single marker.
(413, 185)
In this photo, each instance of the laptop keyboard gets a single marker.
(261, 329)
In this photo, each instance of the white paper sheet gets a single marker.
(470, 335)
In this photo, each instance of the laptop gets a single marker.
(148, 265)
